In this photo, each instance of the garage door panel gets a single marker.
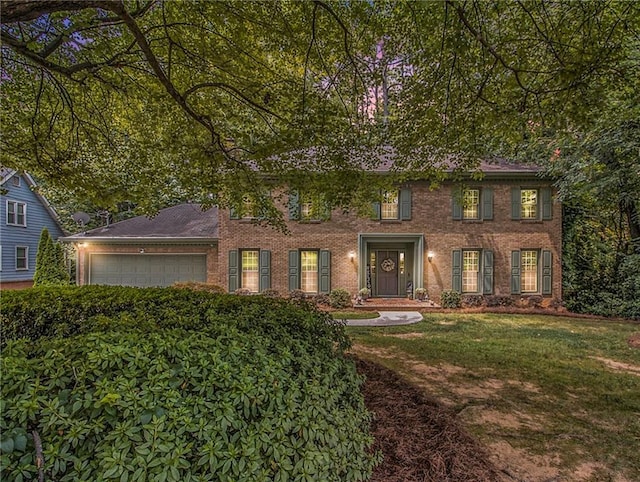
(146, 270)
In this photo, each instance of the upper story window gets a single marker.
(473, 204)
(305, 206)
(16, 213)
(15, 181)
(248, 207)
(389, 205)
(393, 205)
(529, 204)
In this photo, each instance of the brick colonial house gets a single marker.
(501, 235)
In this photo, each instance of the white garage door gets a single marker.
(146, 269)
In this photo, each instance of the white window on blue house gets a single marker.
(16, 213)
(22, 257)
(15, 181)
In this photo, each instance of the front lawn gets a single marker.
(551, 397)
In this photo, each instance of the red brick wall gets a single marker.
(431, 216)
(16, 285)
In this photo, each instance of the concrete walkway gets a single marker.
(389, 318)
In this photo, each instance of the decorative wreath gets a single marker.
(387, 265)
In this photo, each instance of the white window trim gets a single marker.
(317, 271)
(395, 204)
(26, 258)
(16, 181)
(536, 271)
(242, 270)
(477, 273)
(10, 201)
(536, 215)
(465, 208)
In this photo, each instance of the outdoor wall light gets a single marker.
(141, 251)
(430, 256)
(352, 256)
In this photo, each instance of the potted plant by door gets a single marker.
(364, 293)
(420, 294)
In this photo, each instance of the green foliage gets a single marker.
(186, 386)
(339, 298)
(50, 265)
(450, 299)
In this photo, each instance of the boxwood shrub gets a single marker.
(164, 384)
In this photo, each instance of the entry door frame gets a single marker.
(417, 239)
(381, 273)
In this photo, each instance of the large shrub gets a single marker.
(180, 385)
(450, 299)
(50, 267)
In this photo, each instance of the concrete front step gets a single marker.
(394, 304)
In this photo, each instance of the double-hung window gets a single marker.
(473, 204)
(532, 271)
(309, 271)
(470, 271)
(16, 213)
(529, 271)
(250, 269)
(22, 258)
(529, 204)
(389, 205)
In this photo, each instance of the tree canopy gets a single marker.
(151, 100)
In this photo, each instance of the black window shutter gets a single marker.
(456, 207)
(487, 204)
(515, 272)
(294, 271)
(405, 204)
(515, 203)
(375, 207)
(456, 274)
(487, 272)
(547, 267)
(234, 270)
(265, 270)
(547, 204)
(325, 271)
(294, 205)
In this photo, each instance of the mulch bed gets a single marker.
(419, 438)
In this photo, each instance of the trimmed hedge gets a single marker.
(167, 384)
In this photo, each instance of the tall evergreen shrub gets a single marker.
(50, 267)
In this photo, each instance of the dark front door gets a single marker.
(387, 273)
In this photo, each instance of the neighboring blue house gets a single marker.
(23, 214)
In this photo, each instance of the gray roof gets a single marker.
(181, 222)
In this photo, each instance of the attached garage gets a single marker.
(178, 244)
(146, 269)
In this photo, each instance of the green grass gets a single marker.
(546, 371)
(354, 315)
